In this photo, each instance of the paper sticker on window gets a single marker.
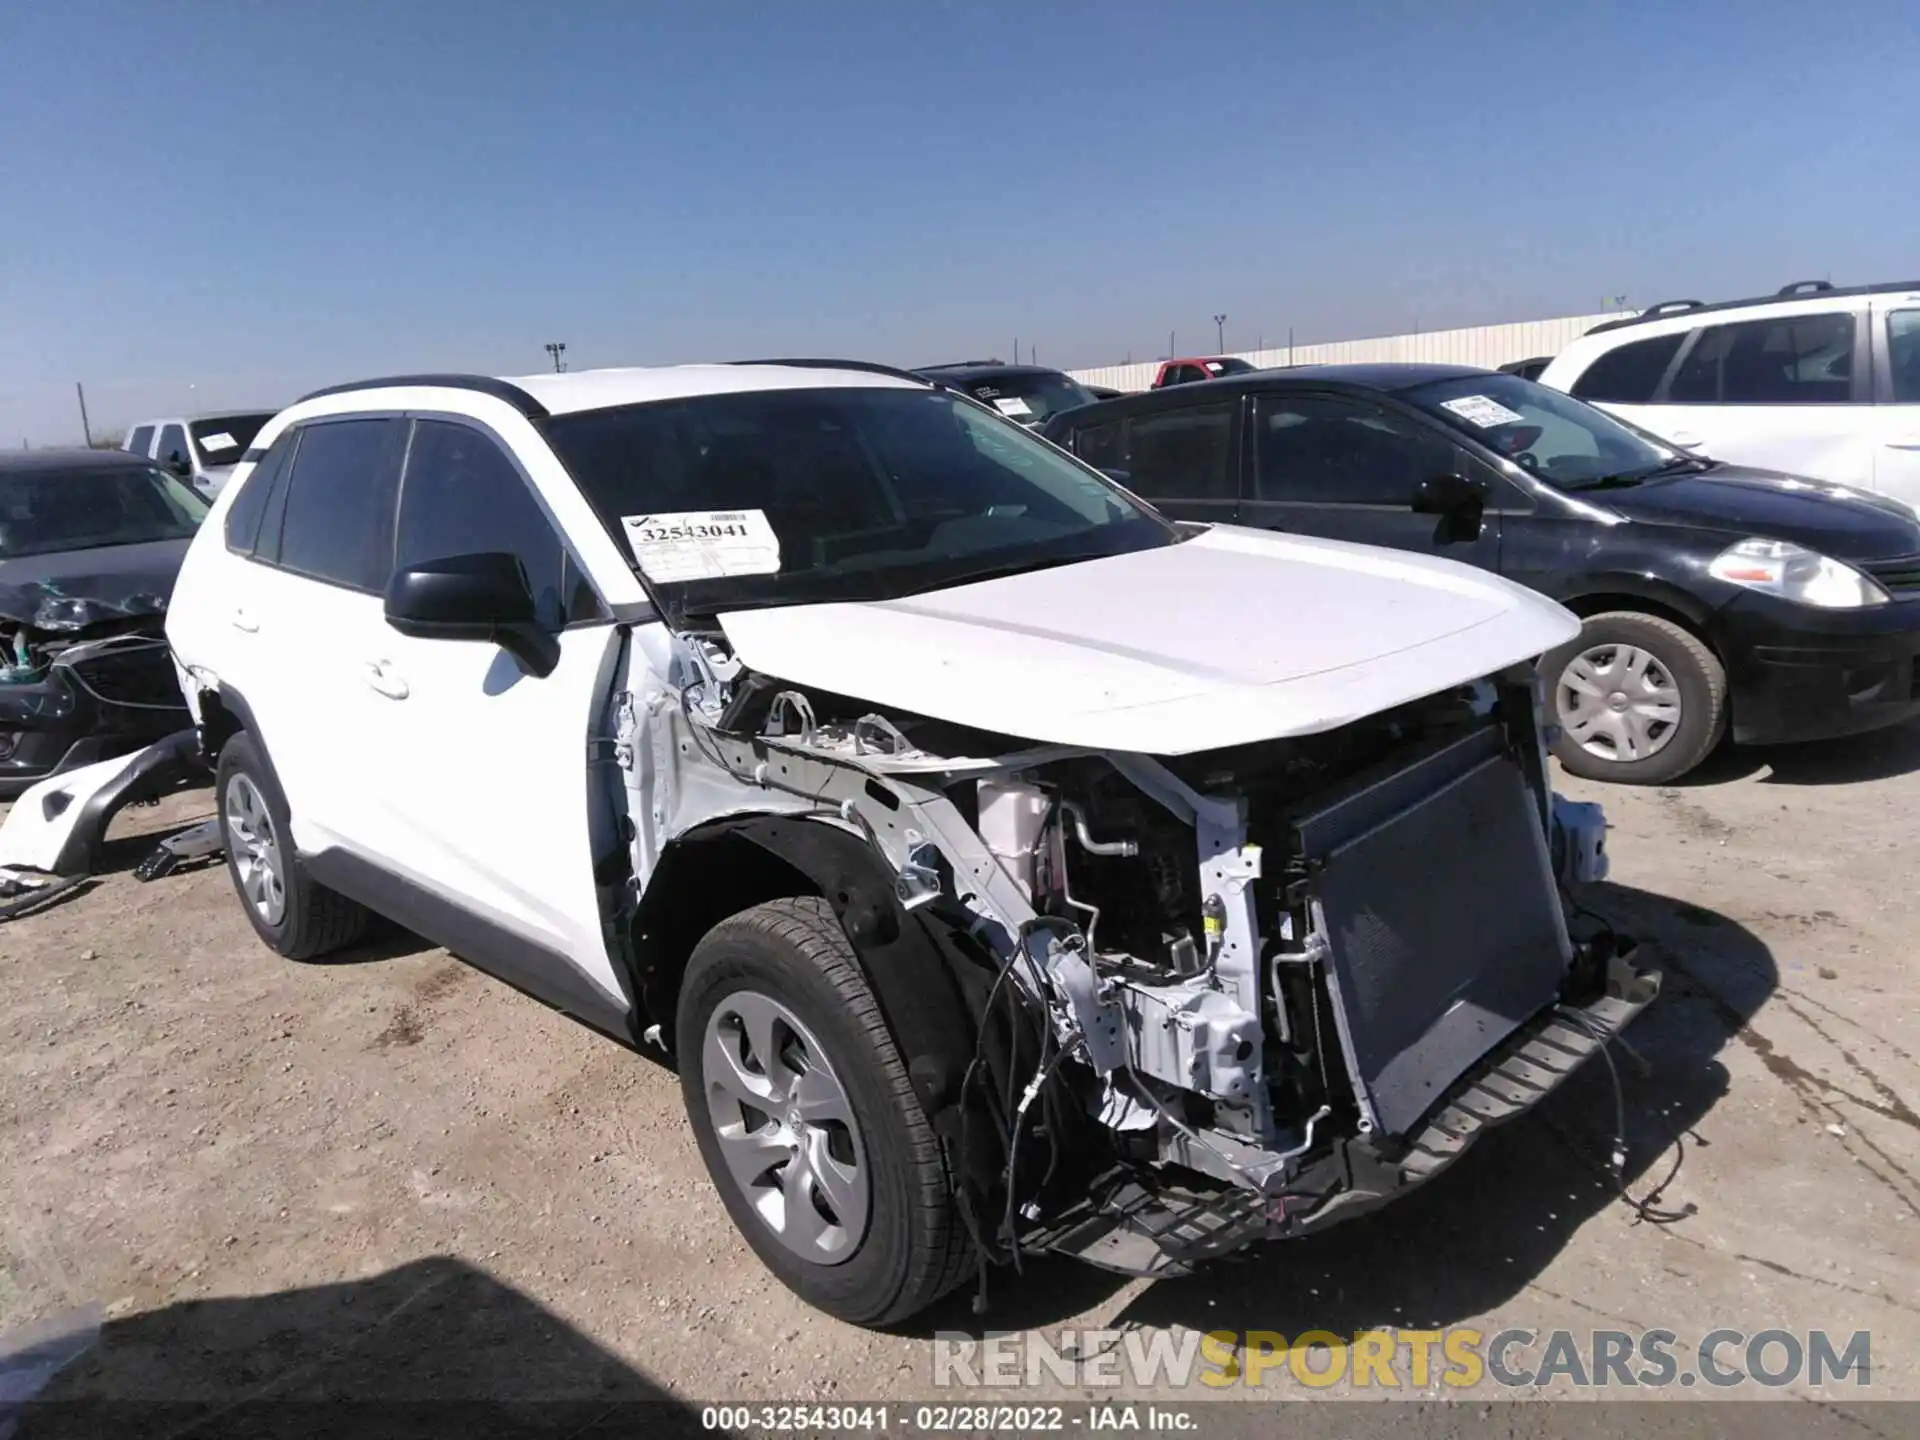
(220, 440)
(1479, 410)
(1012, 405)
(703, 544)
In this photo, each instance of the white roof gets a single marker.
(597, 389)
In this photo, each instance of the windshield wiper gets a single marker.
(1689, 464)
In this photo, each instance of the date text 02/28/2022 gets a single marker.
(963, 1419)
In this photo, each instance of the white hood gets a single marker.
(1234, 636)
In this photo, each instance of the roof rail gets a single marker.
(1797, 290)
(868, 366)
(505, 390)
(1672, 307)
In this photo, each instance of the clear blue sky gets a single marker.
(217, 204)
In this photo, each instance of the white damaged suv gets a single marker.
(1001, 866)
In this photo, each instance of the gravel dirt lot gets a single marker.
(388, 1174)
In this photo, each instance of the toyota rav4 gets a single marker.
(1001, 865)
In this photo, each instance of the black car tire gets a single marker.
(313, 920)
(912, 1248)
(1696, 671)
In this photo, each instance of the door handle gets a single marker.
(380, 677)
(1905, 442)
(243, 620)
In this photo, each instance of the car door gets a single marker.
(1182, 458)
(1896, 459)
(1347, 468)
(1787, 392)
(486, 788)
(312, 591)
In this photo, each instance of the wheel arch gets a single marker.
(912, 961)
(1642, 596)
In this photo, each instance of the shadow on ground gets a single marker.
(435, 1347)
(1853, 760)
(1486, 1229)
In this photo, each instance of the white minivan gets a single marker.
(1813, 381)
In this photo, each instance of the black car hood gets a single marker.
(1836, 520)
(76, 589)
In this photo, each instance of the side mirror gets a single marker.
(472, 597)
(1459, 500)
(177, 463)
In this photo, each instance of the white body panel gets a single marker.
(1235, 636)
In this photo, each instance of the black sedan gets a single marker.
(90, 543)
(1031, 394)
(1715, 597)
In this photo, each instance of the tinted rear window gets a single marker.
(340, 500)
(1631, 374)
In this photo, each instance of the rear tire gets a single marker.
(1638, 699)
(866, 1229)
(292, 912)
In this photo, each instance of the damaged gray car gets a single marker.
(90, 542)
(1003, 867)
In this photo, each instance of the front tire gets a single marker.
(1638, 699)
(807, 1121)
(292, 912)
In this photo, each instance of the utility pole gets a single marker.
(1220, 334)
(556, 349)
(85, 428)
(1171, 350)
(1016, 349)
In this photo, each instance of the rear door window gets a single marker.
(1183, 453)
(1630, 374)
(1792, 360)
(141, 441)
(338, 525)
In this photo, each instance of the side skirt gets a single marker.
(542, 974)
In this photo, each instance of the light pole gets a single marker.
(1220, 334)
(556, 349)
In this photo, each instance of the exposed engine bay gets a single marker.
(1218, 997)
(81, 678)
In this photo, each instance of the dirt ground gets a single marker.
(389, 1174)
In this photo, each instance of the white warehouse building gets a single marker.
(1488, 346)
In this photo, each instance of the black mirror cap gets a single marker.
(460, 597)
(1450, 495)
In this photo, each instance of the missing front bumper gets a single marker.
(1141, 1222)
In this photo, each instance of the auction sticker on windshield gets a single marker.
(703, 544)
(1012, 405)
(1481, 411)
(219, 441)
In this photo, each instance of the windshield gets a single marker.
(785, 496)
(43, 512)
(223, 440)
(1030, 399)
(1564, 441)
(1227, 365)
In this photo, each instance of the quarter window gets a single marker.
(1903, 355)
(462, 495)
(1183, 454)
(1334, 451)
(1631, 374)
(1794, 360)
(338, 525)
(250, 504)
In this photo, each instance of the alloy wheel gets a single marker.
(785, 1127)
(254, 852)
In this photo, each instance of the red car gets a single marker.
(1202, 367)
